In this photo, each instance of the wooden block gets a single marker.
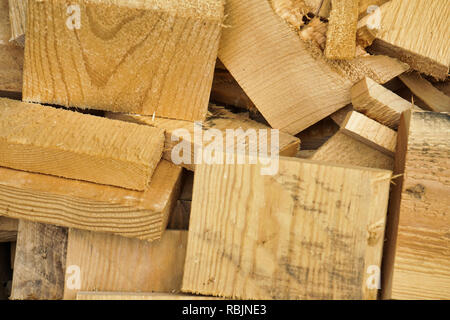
(434, 98)
(378, 103)
(138, 296)
(89, 206)
(141, 57)
(11, 56)
(18, 18)
(345, 150)
(131, 265)
(309, 232)
(402, 34)
(220, 119)
(417, 264)
(341, 34)
(8, 229)
(293, 86)
(370, 132)
(339, 116)
(79, 146)
(40, 262)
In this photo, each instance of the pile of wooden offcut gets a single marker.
(97, 96)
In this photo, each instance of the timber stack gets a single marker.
(224, 149)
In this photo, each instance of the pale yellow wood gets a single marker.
(40, 262)
(341, 34)
(434, 98)
(370, 132)
(343, 149)
(219, 118)
(138, 296)
(404, 35)
(308, 232)
(290, 83)
(378, 103)
(69, 144)
(365, 4)
(11, 56)
(417, 257)
(8, 229)
(142, 57)
(113, 263)
(85, 205)
(18, 18)
(339, 116)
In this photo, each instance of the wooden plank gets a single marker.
(8, 229)
(294, 86)
(11, 56)
(403, 35)
(132, 265)
(345, 150)
(89, 206)
(220, 119)
(73, 145)
(138, 296)
(341, 34)
(370, 132)
(18, 18)
(378, 103)
(434, 98)
(339, 116)
(309, 232)
(141, 57)
(417, 264)
(39, 262)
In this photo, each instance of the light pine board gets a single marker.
(404, 35)
(18, 19)
(89, 206)
(218, 118)
(143, 57)
(138, 296)
(308, 232)
(370, 132)
(292, 86)
(417, 262)
(343, 149)
(69, 144)
(379, 103)
(113, 263)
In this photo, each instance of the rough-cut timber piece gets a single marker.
(341, 34)
(311, 231)
(141, 57)
(293, 87)
(89, 206)
(369, 131)
(339, 116)
(435, 99)
(8, 229)
(79, 146)
(220, 119)
(18, 18)
(343, 149)
(11, 56)
(138, 296)
(378, 103)
(40, 262)
(404, 35)
(417, 264)
(131, 265)
(444, 87)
